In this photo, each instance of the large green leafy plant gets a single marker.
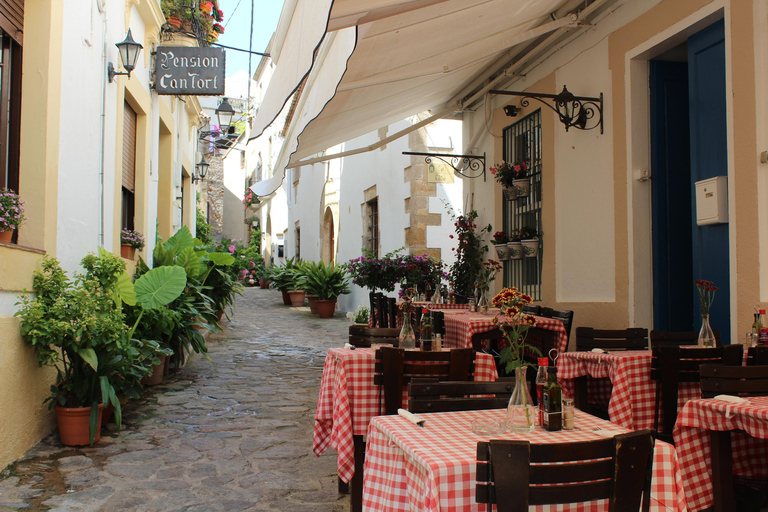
(325, 282)
(469, 253)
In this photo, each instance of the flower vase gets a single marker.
(706, 336)
(521, 414)
(407, 338)
(482, 302)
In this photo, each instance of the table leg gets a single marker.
(580, 393)
(722, 471)
(343, 486)
(356, 484)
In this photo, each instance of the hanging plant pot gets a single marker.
(522, 187)
(286, 297)
(502, 251)
(510, 193)
(312, 301)
(516, 250)
(73, 425)
(5, 236)
(297, 298)
(531, 247)
(326, 308)
(174, 21)
(127, 251)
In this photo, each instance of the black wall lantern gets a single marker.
(581, 112)
(202, 170)
(129, 52)
(225, 113)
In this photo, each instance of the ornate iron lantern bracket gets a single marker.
(573, 111)
(469, 166)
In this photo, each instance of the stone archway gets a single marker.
(328, 238)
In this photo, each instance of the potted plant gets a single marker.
(367, 271)
(130, 241)
(500, 243)
(326, 283)
(469, 255)
(296, 283)
(360, 316)
(513, 178)
(11, 214)
(530, 240)
(516, 250)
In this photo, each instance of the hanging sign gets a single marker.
(190, 70)
(438, 172)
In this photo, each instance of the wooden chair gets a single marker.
(361, 336)
(516, 474)
(565, 316)
(729, 380)
(587, 338)
(530, 309)
(757, 355)
(679, 338)
(428, 395)
(394, 368)
(671, 365)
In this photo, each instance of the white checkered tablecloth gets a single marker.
(348, 400)
(433, 468)
(692, 438)
(459, 329)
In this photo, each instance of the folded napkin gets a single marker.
(411, 417)
(732, 399)
(598, 350)
(350, 347)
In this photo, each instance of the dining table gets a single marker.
(736, 434)
(348, 400)
(433, 468)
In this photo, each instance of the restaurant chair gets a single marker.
(373, 298)
(392, 311)
(394, 368)
(429, 395)
(671, 365)
(588, 338)
(729, 380)
(517, 474)
(531, 309)
(757, 355)
(362, 336)
(565, 316)
(679, 338)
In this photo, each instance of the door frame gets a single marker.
(638, 165)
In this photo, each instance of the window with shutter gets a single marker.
(129, 167)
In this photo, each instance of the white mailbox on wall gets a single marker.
(712, 201)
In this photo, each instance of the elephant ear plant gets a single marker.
(78, 327)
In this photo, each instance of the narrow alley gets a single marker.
(233, 434)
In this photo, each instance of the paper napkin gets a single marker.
(411, 417)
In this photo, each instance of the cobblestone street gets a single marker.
(234, 434)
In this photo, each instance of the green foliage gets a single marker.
(286, 276)
(469, 253)
(368, 271)
(324, 281)
(203, 228)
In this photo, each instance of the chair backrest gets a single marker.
(733, 380)
(394, 368)
(565, 316)
(516, 474)
(635, 338)
(361, 336)
(429, 395)
(531, 309)
(372, 297)
(757, 355)
(672, 364)
(679, 338)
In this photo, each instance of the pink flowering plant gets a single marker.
(133, 238)
(505, 172)
(250, 198)
(11, 210)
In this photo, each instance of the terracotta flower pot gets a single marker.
(326, 308)
(73, 425)
(5, 236)
(297, 297)
(127, 251)
(286, 297)
(175, 21)
(157, 373)
(312, 300)
(106, 414)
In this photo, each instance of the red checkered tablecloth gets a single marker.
(348, 400)
(433, 468)
(749, 443)
(460, 327)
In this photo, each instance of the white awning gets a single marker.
(407, 57)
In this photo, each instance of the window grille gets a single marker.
(373, 227)
(522, 141)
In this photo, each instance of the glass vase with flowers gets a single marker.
(706, 291)
(407, 337)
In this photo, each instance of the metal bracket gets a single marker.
(462, 164)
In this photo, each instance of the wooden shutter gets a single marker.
(12, 18)
(129, 148)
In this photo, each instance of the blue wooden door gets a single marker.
(709, 157)
(670, 185)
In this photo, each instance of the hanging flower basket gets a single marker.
(510, 193)
(502, 251)
(515, 250)
(522, 187)
(531, 247)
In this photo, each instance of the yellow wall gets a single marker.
(24, 419)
